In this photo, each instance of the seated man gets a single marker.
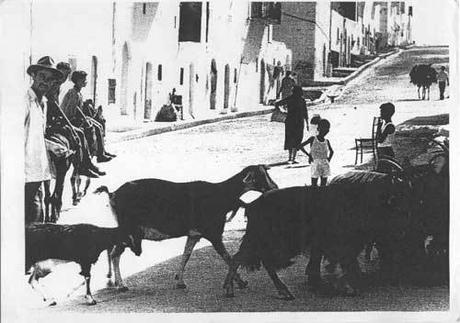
(93, 115)
(58, 123)
(72, 105)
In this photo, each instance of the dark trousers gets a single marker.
(99, 130)
(32, 202)
(442, 88)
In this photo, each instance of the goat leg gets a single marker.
(189, 245)
(220, 248)
(109, 263)
(283, 291)
(76, 288)
(89, 298)
(34, 283)
(115, 255)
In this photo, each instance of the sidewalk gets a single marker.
(123, 128)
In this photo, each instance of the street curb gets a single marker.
(136, 134)
(363, 67)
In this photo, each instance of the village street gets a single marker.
(217, 151)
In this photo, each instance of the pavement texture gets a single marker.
(214, 152)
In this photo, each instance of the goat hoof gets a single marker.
(90, 303)
(181, 286)
(110, 283)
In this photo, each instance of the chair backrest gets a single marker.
(375, 123)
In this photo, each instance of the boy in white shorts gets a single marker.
(320, 153)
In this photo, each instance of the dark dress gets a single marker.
(294, 124)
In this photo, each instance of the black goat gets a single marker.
(423, 76)
(335, 221)
(50, 244)
(161, 210)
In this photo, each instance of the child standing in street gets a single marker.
(320, 153)
(386, 131)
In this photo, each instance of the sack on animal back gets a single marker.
(278, 116)
(58, 145)
(167, 113)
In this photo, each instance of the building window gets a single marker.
(144, 8)
(181, 77)
(160, 72)
(190, 21)
(338, 35)
(112, 87)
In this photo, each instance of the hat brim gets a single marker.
(36, 67)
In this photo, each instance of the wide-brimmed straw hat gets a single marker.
(45, 63)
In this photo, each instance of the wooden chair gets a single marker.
(368, 144)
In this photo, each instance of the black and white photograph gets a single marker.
(225, 160)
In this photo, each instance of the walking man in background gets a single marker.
(36, 159)
(443, 79)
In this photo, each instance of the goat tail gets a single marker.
(102, 189)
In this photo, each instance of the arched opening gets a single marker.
(93, 79)
(124, 80)
(212, 97)
(148, 91)
(262, 81)
(226, 86)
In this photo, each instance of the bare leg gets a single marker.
(283, 291)
(75, 182)
(189, 245)
(109, 262)
(219, 246)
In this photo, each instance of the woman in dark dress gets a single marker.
(294, 124)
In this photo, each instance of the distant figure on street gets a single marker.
(386, 131)
(443, 79)
(287, 85)
(294, 125)
(320, 153)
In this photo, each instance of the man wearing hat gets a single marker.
(37, 167)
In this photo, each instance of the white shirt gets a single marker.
(389, 139)
(37, 165)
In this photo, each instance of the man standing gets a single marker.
(36, 166)
(443, 79)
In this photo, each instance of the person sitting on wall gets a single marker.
(72, 105)
(98, 123)
(57, 122)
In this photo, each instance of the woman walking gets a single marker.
(294, 124)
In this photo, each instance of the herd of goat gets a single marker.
(395, 212)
